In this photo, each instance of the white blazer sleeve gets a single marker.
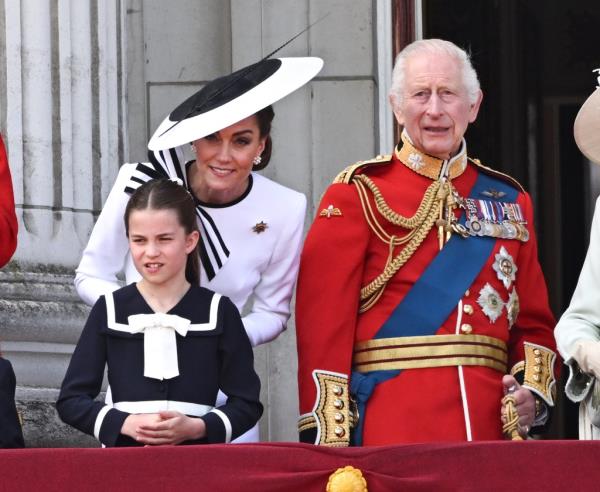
(581, 320)
(104, 256)
(272, 295)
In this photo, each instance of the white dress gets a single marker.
(251, 246)
(581, 321)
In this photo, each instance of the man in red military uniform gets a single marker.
(420, 300)
(8, 219)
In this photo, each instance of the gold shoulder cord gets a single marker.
(418, 227)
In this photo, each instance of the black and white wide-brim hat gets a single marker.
(231, 98)
(586, 128)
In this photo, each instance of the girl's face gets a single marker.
(159, 246)
(224, 161)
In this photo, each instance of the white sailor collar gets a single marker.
(124, 303)
(160, 332)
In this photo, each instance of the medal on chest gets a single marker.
(502, 220)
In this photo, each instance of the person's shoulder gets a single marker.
(274, 190)
(5, 365)
(118, 300)
(497, 174)
(7, 374)
(126, 170)
(362, 167)
(130, 166)
(207, 299)
(126, 292)
(202, 292)
(263, 182)
(202, 295)
(124, 175)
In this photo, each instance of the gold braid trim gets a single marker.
(418, 225)
(395, 218)
(510, 428)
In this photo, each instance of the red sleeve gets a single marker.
(8, 218)
(535, 322)
(327, 298)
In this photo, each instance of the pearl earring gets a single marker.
(257, 160)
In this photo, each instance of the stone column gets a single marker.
(62, 121)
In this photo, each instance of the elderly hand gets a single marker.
(172, 428)
(524, 402)
(587, 355)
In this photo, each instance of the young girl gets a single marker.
(169, 344)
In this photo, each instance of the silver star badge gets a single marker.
(491, 303)
(512, 308)
(505, 267)
(415, 161)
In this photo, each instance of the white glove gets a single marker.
(587, 355)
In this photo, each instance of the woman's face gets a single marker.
(224, 161)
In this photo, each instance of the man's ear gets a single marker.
(474, 111)
(396, 109)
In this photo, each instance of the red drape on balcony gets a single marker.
(289, 467)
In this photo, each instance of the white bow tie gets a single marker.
(160, 344)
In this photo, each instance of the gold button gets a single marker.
(536, 377)
(537, 368)
(339, 404)
(468, 309)
(339, 418)
(337, 390)
(466, 328)
(536, 351)
(339, 431)
(538, 360)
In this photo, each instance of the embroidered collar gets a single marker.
(427, 165)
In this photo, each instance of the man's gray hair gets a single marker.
(437, 46)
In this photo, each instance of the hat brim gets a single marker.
(586, 128)
(292, 74)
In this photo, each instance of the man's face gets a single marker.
(435, 109)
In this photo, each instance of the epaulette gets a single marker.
(497, 174)
(346, 175)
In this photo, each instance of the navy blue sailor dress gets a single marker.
(214, 353)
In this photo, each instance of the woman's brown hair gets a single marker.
(265, 117)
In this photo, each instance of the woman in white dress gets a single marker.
(578, 330)
(250, 227)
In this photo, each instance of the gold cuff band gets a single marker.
(332, 416)
(430, 351)
(307, 422)
(539, 371)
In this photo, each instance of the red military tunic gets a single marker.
(342, 254)
(8, 219)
